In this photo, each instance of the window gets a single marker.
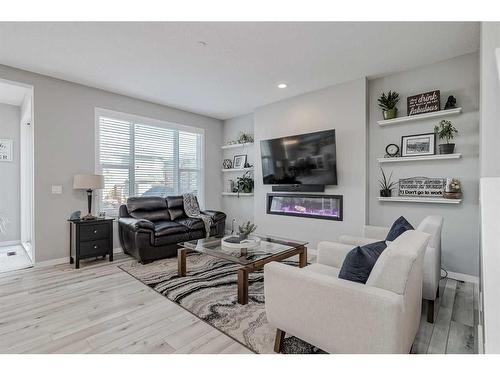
(144, 157)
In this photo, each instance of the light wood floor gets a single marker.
(101, 309)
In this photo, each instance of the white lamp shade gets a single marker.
(88, 181)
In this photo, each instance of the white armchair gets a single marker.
(341, 316)
(432, 260)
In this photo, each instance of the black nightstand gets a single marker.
(90, 239)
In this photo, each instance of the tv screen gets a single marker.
(306, 159)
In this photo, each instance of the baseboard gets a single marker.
(52, 262)
(463, 277)
(10, 243)
(56, 262)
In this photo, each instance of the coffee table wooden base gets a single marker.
(245, 271)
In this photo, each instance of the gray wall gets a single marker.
(10, 173)
(343, 108)
(460, 77)
(490, 99)
(240, 208)
(65, 146)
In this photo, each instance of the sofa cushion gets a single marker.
(176, 213)
(148, 208)
(400, 226)
(191, 222)
(176, 201)
(359, 262)
(167, 228)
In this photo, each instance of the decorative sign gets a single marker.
(424, 103)
(421, 187)
(5, 149)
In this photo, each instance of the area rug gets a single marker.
(209, 291)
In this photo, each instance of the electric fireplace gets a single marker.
(328, 207)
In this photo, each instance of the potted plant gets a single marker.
(386, 185)
(245, 183)
(388, 104)
(245, 138)
(445, 130)
(245, 230)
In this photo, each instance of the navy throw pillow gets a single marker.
(359, 262)
(400, 226)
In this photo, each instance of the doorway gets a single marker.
(17, 250)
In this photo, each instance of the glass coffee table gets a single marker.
(269, 249)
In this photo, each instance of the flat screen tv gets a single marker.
(304, 159)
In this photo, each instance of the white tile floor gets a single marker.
(18, 261)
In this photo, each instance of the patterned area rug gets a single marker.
(209, 291)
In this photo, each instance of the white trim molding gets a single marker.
(10, 243)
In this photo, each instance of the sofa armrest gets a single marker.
(356, 241)
(136, 224)
(214, 215)
(332, 253)
(336, 315)
(379, 233)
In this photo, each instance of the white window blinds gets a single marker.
(142, 159)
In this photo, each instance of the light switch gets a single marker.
(56, 189)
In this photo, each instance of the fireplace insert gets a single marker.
(317, 206)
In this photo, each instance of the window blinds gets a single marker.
(141, 159)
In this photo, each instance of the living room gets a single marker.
(249, 187)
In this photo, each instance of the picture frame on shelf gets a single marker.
(418, 144)
(239, 161)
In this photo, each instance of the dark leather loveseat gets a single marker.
(150, 228)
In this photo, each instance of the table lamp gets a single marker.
(88, 182)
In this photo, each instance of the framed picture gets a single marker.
(239, 161)
(5, 149)
(418, 144)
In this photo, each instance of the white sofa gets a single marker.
(432, 261)
(341, 316)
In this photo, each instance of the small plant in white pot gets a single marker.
(446, 131)
(388, 104)
(245, 230)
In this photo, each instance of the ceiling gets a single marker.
(240, 65)
(12, 94)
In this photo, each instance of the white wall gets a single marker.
(240, 208)
(343, 108)
(490, 185)
(64, 146)
(458, 77)
(490, 100)
(10, 173)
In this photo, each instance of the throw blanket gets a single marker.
(192, 209)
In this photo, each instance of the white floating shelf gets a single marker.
(423, 116)
(236, 194)
(237, 145)
(419, 158)
(420, 200)
(237, 169)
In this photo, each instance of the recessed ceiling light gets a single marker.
(282, 85)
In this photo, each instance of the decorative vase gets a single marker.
(247, 190)
(242, 236)
(447, 148)
(390, 113)
(385, 193)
